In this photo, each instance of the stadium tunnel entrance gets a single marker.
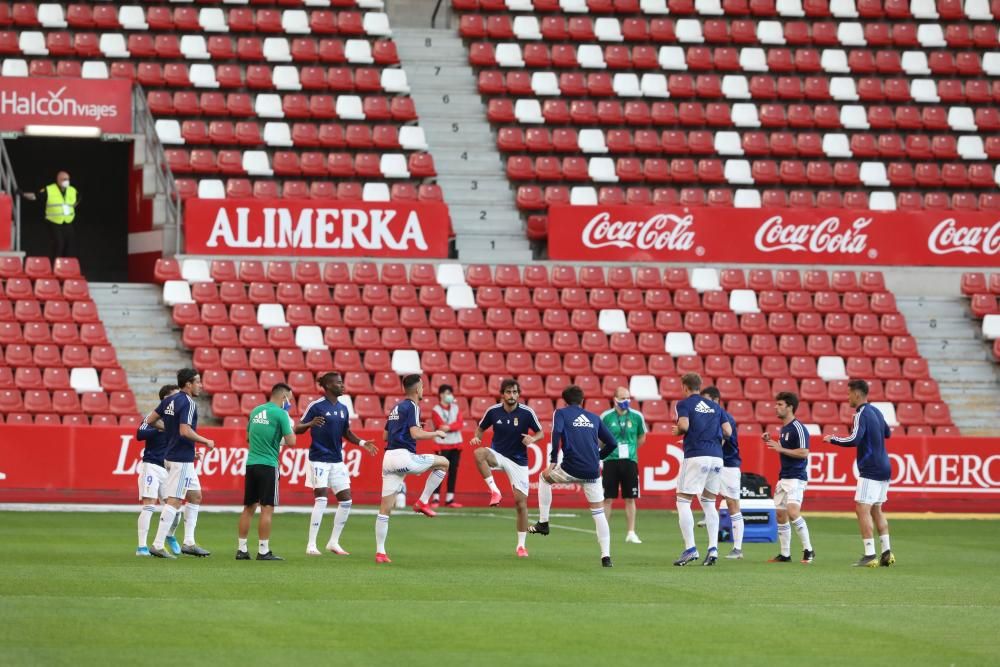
(101, 172)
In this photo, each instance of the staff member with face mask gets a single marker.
(61, 200)
(621, 468)
(448, 418)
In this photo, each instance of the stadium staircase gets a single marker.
(140, 330)
(470, 170)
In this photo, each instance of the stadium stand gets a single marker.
(270, 100)
(787, 103)
(57, 364)
(752, 334)
(983, 291)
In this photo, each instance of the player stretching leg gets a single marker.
(868, 435)
(793, 446)
(581, 434)
(700, 421)
(511, 422)
(180, 419)
(329, 422)
(153, 477)
(729, 482)
(402, 430)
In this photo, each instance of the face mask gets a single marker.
(64, 184)
(447, 399)
(287, 405)
(623, 405)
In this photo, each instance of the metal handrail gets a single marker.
(8, 184)
(143, 122)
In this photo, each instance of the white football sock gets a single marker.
(544, 500)
(603, 531)
(340, 520)
(315, 519)
(433, 482)
(450, 497)
(490, 482)
(884, 539)
(262, 547)
(145, 517)
(173, 526)
(737, 531)
(190, 522)
(869, 547)
(166, 518)
(711, 521)
(381, 532)
(785, 539)
(803, 530)
(521, 537)
(242, 544)
(685, 518)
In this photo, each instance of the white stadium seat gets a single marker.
(268, 105)
(211, 188)
(349, 107)
(393, 165)
(991, 327)
(529, 112)
(194, 47)
(582, 195)
(14, 67)
(376, 24)
(679, 344)
(742, 301)
(836, 145)
(591, 141)
(176, 291)
(527, 28)
(405, 362)
(94, 69)
(196, 271)
(888, 411)
(296, 22)
(212, 19)
(602, 170)
(256, 163)
(737, 172)
(84, 379)
(545, 84)
(590, 56)
(831, 368)
(450, 274)
(358, 52)
(746, 198)
(412, 138)
(286, 77)
(644, 388)
(509, 55)
(608, 30)
(705, 279)
(168, 132)
(270, 315)
(735, 87)
(375, 192)
(460, 296)
(202, 75)
(654, 85)
(961, 119)
(277, 50)
(50, 15)
(32, 43)
(309, 337)
(277, 133)
(626, 85)
(133, 17)
(851, 33)
(882, 201)
(612, 320)
(970, 147)
(688, 31)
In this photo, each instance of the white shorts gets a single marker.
(516, 473)
(789, 492)
(700, 474)
(397, 464)
(181, 478)
(729, 483)
(152, 481)
(592, 488)
(871, 492)
(328, 476)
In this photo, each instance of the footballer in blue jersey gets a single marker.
(729, 480)
(700, 421)
(153, 476)
(402, 430)
(180, 419)
(868, 435)
(515, 428)
(329, 424)
(584, 440)
(792, 446)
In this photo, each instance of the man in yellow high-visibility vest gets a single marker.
(61, 200)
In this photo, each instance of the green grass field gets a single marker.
(73, 593)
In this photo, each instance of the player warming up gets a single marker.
(580, 435)
(700, 421)
(513, 423)
(153, 478)
(729, 482)
(180, 419)
(328, 423)
(402, 430)
(793, 447)
(868, 435)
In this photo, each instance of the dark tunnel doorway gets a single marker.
(99, 170)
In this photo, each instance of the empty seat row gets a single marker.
(11, 266)
(976, 10)
(303, 271)
(560, 28)
(67, 402)
(533, 111)
(44, 289)
(730, 143)
(281, 134)
(53, 310)
(79, 379)
(242, 188)
(59, 333)
(736, 87)
(347, 107)
(45, 355)
(288, 163)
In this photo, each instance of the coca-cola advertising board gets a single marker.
(103, 103)
(99, 464)
(315, 228)
(785, 236)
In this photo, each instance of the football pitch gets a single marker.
(73, 593)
